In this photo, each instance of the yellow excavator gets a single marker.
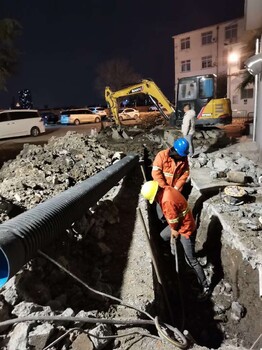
(147, 87)
(199, 91)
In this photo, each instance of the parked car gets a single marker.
(98, 110)
(79, 116)
(16, 122)
(128, 113)
(49, 118)
(154, 108)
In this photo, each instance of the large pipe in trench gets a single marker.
(22, 236)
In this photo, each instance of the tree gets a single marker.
(115, 73)
(9, 31)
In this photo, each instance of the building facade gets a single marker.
(217, 49)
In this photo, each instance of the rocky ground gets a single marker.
(98, 248)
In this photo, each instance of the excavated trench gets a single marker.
(232, 315)
(109, 250)
(233, 266)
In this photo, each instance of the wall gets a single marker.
(258, 129)
(253, 14)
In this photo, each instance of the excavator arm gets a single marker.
(147, 87)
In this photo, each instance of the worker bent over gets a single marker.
(181, 223)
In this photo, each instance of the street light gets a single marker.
(254, 64)
(233, 57)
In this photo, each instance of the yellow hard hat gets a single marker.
(149, 190)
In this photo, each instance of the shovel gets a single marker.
(173, 248)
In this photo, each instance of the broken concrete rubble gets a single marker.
(19, 337)
(39, 173)
(39, 336)
(221, 165)
(98, 336)
(82, 342)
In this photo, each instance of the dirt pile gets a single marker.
(40, 172)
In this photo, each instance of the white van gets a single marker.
(20, 122)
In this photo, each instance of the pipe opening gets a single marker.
(4, 268)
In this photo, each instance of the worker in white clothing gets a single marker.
(188, 126)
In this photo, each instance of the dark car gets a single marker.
(50, 118)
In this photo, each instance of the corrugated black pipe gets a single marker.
(22, 236)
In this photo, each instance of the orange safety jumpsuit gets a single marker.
(167, 171)
(176, 211)
(180, 218)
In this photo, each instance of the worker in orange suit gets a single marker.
(181, 224)
(170, 166)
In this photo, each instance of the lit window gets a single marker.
(231, 33)
(185, 43)
(185, 66)
(206, 61)
(206, 38)
(246, 93)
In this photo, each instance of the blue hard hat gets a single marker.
(181, 146)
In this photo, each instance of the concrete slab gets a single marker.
(202, 181)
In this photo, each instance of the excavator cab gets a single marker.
(200, 92)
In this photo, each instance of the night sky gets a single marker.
(63, 42)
